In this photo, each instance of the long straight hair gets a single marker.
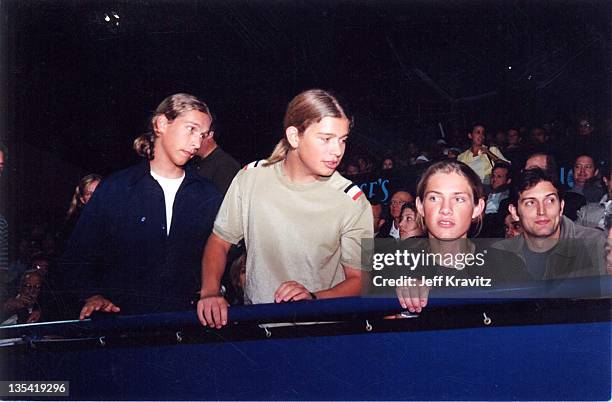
(309, 107)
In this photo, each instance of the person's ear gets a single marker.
(513, 211)
(509, 181)
(478, 208)
(381, 222)
(292, 135)
(160, 123)
(419, 206)
(562, 206)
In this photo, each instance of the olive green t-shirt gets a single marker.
(300, 232)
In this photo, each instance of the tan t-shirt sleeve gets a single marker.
(228, 224)
(358, 226)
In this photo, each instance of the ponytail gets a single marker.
(144, 145)
(280, 152)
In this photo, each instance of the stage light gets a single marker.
(106, 18)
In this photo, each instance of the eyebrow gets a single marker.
(332, 134)
(438, 192)
(193, 122)
(546, 196)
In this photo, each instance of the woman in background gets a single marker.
(409, 225)
(82, 194)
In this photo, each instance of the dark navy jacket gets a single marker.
(120, 248)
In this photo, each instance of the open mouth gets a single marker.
(445, 223)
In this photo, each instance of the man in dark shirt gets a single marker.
(138, 244)
(215, 164)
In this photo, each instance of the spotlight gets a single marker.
(106, 18)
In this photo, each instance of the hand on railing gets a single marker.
(212, 311)
(292, 291)
(413, 298)
(98, 303)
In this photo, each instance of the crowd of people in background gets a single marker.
(528, 184)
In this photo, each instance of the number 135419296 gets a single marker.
(34, 388)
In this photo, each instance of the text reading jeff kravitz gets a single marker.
(426, 264)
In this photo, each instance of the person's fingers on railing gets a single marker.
(217, 313)
(299, 293)
(284, 289)
(200, 312)
(294, 291)
(423, 295)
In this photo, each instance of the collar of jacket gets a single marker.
(564, 247)
(143, 169)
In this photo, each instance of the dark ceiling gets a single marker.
(84, 75)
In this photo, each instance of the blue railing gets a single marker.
(341, 309)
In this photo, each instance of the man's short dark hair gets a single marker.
(503, 165)
(580, 155)
(551, 166)
(531, 177)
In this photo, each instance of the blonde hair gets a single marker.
(75, 202)
(307, 108)
(171, 108)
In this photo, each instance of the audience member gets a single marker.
(450, 197)
(497, 201)
(365, 164)
(352, 168)
(387, 164)
(539, 141)
(137, 246)
(479, 157)
(551, 245)
(215, 164)
(500, 182)
(453, 153)
(512, 227)
(391, 227)
(572, 200)
(514, 150)
(409, 224)
(588, 141)
(377, 216)
(586, 181)
(296, 187)
(24, 307)
(500, 139)
(82, 194)
(594, 214)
